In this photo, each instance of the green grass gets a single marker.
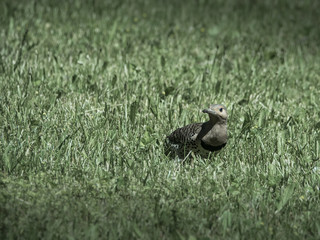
(89, 90)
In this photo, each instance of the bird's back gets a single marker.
(181, 140)
(184, 134)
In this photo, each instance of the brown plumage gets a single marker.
(200, 138)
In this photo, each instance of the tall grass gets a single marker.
(89, 90)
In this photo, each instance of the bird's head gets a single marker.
(217, 112)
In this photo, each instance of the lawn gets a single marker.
(90, 89)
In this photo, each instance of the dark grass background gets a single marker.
(89, 90)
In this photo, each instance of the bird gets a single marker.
(199, 138)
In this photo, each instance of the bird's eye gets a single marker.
(221, 109)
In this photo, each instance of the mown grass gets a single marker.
(90, 89)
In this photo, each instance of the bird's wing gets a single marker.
(184, 134)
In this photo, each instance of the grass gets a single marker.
(89, 90)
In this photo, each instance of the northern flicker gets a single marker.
(200, 138)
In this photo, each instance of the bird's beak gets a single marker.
(209, 111)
